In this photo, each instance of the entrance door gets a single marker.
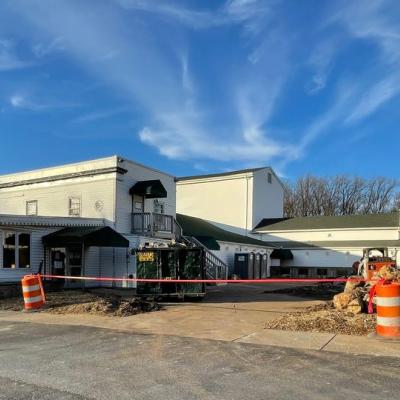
(67, 261)
(73, 266)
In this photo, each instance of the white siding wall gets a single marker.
(332, 234)
(14, 275)
(92, 265)
(330, 257)
(233, 202)
(53, 197)
(267, 197)
(227, 251)
(124, 200)
(324, 258)
(222, 201)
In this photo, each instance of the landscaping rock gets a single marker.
(342, 300)
(352, 284)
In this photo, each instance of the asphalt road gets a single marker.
(40, 361)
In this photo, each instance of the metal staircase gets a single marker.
(215, 267)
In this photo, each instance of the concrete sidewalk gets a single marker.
(231, 314)
(236, 326)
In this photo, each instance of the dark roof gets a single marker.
(151, 189)
(102, 236)
(269, 221)
(338, 243)
(330, 222)
(282, 254)
(199, 228)
(240, 171)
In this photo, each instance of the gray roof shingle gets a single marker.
(389, 220)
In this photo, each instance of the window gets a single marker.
(16, 250)
(74, 207)
(269, 177)
(24, 250)
(322, 271)
(303, 271)
(158, 207)
(32, 207)
(9, 250)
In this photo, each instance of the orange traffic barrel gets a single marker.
(388, 309)
(33, 292)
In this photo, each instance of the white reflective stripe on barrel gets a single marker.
(35, 299)
(388, 321)
(30, 288)
(388, 301)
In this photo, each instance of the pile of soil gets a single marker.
(321, 291)
(85, 302)
(325, 318)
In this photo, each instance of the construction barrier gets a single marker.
(32, 291)
(388, 309)
(212, 281)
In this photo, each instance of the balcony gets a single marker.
(155, 225)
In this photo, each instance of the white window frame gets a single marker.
(29, 202)
(158, 207)
(16, 250)
(71, 210)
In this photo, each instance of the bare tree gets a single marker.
(340, 195)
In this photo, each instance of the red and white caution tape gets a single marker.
(167, 280)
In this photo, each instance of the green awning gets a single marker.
(282, 254)
(101, 236)
(208, 242)
(152, 189)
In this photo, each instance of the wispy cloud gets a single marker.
(249, 12)
(321, 61)
(373, 22)
(9, 58)
(223, 111)
(98, 115)
(25, 102)
(43, 49)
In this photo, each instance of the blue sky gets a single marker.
(194, 87)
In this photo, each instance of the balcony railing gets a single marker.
(155, 225)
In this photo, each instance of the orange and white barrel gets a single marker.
(33, 292)
(388, 309)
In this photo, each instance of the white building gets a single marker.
(329, 245)
(137, 202)
(235, 201)
(222, 243)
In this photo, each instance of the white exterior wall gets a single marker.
(53, 197)
(137, 172)
(324, 258)
(223, 201)
(227, 251)
(267, 197)
(235, 202)
(52, 188)
(36, 256)
(332, 234)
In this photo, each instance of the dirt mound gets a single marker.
(118, 307)
(85, 302)
(324, 318)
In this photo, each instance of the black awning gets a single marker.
(101, 236)
(150, 189)
(282, 254)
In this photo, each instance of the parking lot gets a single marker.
(40, 361)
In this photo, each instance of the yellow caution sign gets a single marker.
(146, 256)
